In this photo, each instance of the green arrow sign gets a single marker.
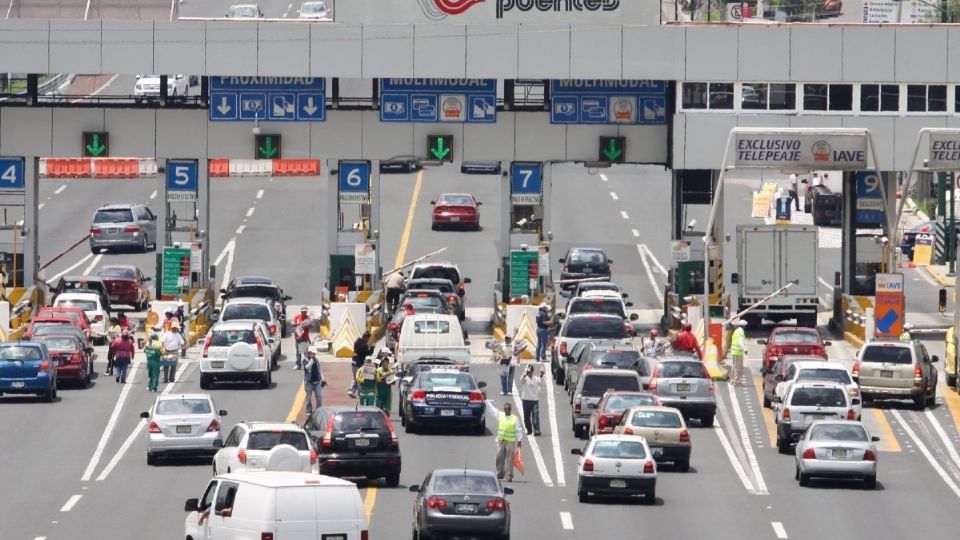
(438, 150)
(268, 150)
(612, 151)
(95, 144)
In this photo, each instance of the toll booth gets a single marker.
(525, 236)
(354, 237)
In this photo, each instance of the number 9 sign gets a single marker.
(11, 173)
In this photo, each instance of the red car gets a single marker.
(59, 320)
(125, 285)
(74, 361)
(456, 210)
(611, 407)
(792, 340)
(78, 315)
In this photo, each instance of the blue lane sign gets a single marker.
(268, 98)
(11, 173)
(354, 182)
(526, 183)
(181, 180)
(870, 208)
(438, 100)
(608, 102)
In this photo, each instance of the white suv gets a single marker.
(266, 446)
(807, 402)
(256, 309)
(605, 302)
(235, 351)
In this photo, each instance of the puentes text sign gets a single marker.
(801, 150)
(944, 151)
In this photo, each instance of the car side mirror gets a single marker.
(479, 203)
(144, 414)
(414, 489)
(215, 316)
(560, 260)
(734, 278)
(778, 378)
(576, 452)
(827, 343)
(777, 399)
(761, 342)
(466, 342)
(855, 402)
(222, 412)
(875, 439)
(934, 359)
(507, 490)
(433, 203)
(192, 505)
(625, 295)
(610, 261)
(482, 384)
(223, 291)
(287, 297)
(467, 280)
(406, 380)
(217, 443)
(633, 316)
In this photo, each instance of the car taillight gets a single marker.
(648, 467)
(327, 440)
(851, 415)
(153, 428)
(418, 395)
(273, 329)
(394, 440)
(917, 373)
(98, 318)
(868, 455)
(577, 407)
(44, 366)
(602, 421)
(259, 346)
(855, 371)
(476, 397)
(563, 348)
(242, 455)
(496, 504)
(131, 229)
(266, 536)
(809, 453)
(214, 426)
(786, 415)
(684, 436)
(75, 357)
(95, 230)
(393, 327)
(313, 456)
(206, 346)
(452, 298)
(588, 466)
(364, 535)
(438, 503)
(628, 430)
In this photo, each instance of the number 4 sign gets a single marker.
(11, 173)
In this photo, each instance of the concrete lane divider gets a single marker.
(348, 321)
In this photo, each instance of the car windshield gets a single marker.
(183, 406)
(37, 325)
(456, 200)
(591, 256)
(265, 440)
(243, 11)
(86, 305)
(225, 338)
(15, 352)
(595, 327)
(619, 450)
(887, 354)
(678, 370)
(437, 272)
(614, 359)
(466, 483)
(602, 286)
(59, 343)
(426, 366)
(432, 380)
(656, 419)
(235, 312)
(118, 272)
(596, 305)
(819, 397)
(51, 329)
(833, 375)
(255, 291)
(597, 385)
(360, 421)
(622, 403)
(838, 432)
(423, 300)
(62, 313)
(796, 337)
(313, 8)
(94, 286)
(431, 327)
(113, 215)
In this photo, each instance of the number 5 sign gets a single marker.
(526, 182)
(354, 182)
(181, 180)
(11, 173)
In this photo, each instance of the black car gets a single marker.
(355, 442)
(583, 263)
(406, 375)
(396, 322)
(75, 284)
(593, 355)
(444, 286)
(426, 301)
(259, 287)
(448, 397)
(461, 502)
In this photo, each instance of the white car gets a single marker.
(236, 350)
(89, 302)
(149, 86)
(602, 301)
(821, 371)
(183, 425)
(616, 466)
(262, 446)
(244, 11)
(804, 404)
(256, 309)
(314, 9)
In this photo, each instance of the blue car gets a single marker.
(445, 397)
(27, 368)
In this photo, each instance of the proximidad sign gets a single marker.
(847, 151)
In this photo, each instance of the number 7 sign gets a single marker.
(11, 173)
(526, 177)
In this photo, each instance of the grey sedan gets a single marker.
(183, 425)
(461, 502)
(837, 449)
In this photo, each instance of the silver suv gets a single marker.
(130, 225)
(897, 370)
(590, 389)
(683, 382)
(807, 402)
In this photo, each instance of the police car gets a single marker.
(446, 397)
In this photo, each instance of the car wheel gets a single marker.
(403, 418)
(582, 495)
(266, 379)
(47, 396)
(804, 479)
(766, 402)
(581, 432)
(204, 382)
(481, 428)
(920, 400)
(796, 472)
(215, 468)
(806, 207)
(144, 246)
(86, 380)
(932, 399)
(410, 427)
(650, 497)
(393, 479)
(683, 465)
(783, 445)
(707, 421)
(151, 459)
(870, 482)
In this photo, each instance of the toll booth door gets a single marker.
(341, 274)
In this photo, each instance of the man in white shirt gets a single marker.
(530, 385)
(173, 343)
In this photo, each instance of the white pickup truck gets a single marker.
(432, 335)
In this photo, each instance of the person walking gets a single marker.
(738, 348)
(361, 350)
(794, 192)
(313, 380)
(301, 335)
(366, 378)
(123, 350)
(172, 342)
(504, 357)
(113, 332)
(509, 440)
(182, 315)
(653, 345)
(386, 376)
(530, 386)
(685, 341)
(394, 285)
(905, 336)
(544, 322)
(154, 352)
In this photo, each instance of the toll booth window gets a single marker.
(828, 97)
(768, 96)
(879, 97)
(694, 95)
(926, 98)
(714, 96)
(721, 95)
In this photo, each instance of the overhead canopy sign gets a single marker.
(509, 11)
(819, 151)
(608, 102)
(268, 98)
(438, 100)
(944, 151)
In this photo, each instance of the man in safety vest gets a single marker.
(738, 348)
(509, 434)
(686, 341)
(905, 336)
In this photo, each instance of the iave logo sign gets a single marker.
(439, 9)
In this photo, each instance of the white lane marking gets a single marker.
(745, 439)
(613, 196)
(223, 253)
(71, 502)
(111, 423)
(232, 244)
(926, 453)
(824, 283)
(60, 189)
(40, 538)
(623, 214)
(554, 430)
(259, 193)
(240, 229)
(603, 177)
(778, 529)
(250, 211)
(947, 443)
(653, 281)
(154, 194)
(70, 269)
(39, 206)
(566, 520)
(93, 264)
(532, 442)
(636, 233)
(139, 428)
(728, 448)
(654, 260)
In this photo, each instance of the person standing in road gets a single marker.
(544, 322)
(113, 332)
(123, 350)
(361, 350)
(504, 358)
(385, 379)
(172, 344)
(182, 315)
(301, 335)
(313, 380)
(794, 192)
(154, 352)
(366, 378)
(685, 341)
(738, 348)
(530, 385)
(394, 285)
(905, 336)
(653, 345)
(509, 440)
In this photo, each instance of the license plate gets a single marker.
(886, 374)
(683, 387)
(216, 364)
(361, 442)
(840, 453)
(657, 452)
(112, 229)
(183, 429)
(448, 412)
(334, 537)
(818, 417)
(454, 219)
(587, 271)
(17, 384)
(618, 483)
(466, 508)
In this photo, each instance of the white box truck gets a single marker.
(768, 258)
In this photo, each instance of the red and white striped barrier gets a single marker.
(119, 167)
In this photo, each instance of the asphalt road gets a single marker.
(80, 465)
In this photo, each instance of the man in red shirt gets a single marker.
(686, 341)
(301, 335)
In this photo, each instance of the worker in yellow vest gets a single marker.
(905, 336)
(738, 348)
(509, 435)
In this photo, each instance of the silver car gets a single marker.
(183, 425)
(897, 370)
(837, 449)
(123, 226)
(806, 403)
(683, 382)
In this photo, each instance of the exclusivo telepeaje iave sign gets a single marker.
(835, 151)
(944, 151)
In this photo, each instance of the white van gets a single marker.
(274, 504)
(432, 335)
